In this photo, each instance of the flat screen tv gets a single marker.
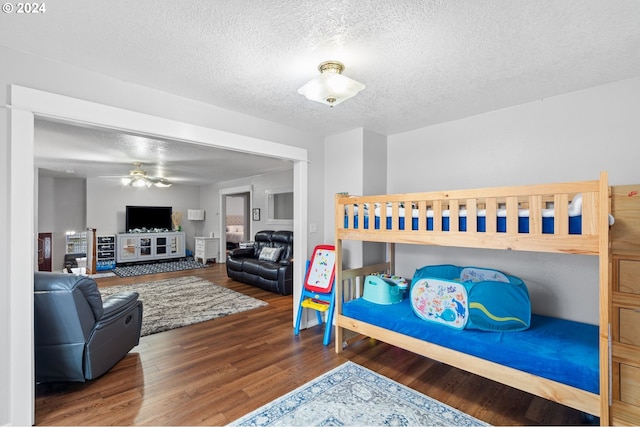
(149, 218)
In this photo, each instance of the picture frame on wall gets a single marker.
(256, 214)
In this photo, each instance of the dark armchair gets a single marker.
(79, 337)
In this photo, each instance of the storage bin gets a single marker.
(381, 291)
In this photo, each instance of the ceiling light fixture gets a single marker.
(331, 87)
(138, 178)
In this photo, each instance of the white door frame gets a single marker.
(25, 105)
(223, 208)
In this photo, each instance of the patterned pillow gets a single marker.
(269, 254)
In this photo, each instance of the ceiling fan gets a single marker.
(138, 178)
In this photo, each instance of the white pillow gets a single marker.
(270, 254)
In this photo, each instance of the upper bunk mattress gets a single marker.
(556, 349)
(575, 224)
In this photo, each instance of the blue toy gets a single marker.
(470, 297)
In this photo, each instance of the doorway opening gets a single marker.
(236, 219)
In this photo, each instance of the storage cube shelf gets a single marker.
(105, 252)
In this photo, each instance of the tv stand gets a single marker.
(138, 247)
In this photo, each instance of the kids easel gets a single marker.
(318, 291)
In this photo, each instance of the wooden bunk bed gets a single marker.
(431, 210)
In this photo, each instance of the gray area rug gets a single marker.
(351, 395)
(157, 267)
(182, 301)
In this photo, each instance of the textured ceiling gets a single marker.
(423, 61)
(66, 151)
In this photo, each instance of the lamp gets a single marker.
(331, 87)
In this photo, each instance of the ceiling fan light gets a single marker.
(139, 182)
(162, 183)
(331, 87)
(139, 178)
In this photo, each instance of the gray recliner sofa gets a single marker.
(78, 336)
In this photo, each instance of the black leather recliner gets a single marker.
(245, 265)
(79, 337)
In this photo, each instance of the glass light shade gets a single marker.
(331, 88)
(140, 182)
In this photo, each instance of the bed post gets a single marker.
(604, 205)
(339, 294)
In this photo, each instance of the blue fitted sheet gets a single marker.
(575, 224)
(556, 349)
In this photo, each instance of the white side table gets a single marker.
(207, 248)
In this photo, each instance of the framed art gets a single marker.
(256, 214)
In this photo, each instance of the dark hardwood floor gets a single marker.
(214, 372)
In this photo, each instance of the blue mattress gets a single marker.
(575, 224)
(556, 349)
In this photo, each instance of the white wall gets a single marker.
(210, 200)
(235, 205)
(61, 209)
(274, 181)
(356, 164)
(374, 159)
(107, 201)
(344, 174)
(563, 138)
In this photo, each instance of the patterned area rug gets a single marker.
(351, 395)
(157, 267)
(173, 303)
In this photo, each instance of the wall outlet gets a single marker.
(313, 228)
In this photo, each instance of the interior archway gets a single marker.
(26, 104)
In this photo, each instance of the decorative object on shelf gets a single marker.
(176, 219)
(331, 87)
(138, 178)
(256, 214)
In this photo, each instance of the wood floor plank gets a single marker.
(214, 372)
